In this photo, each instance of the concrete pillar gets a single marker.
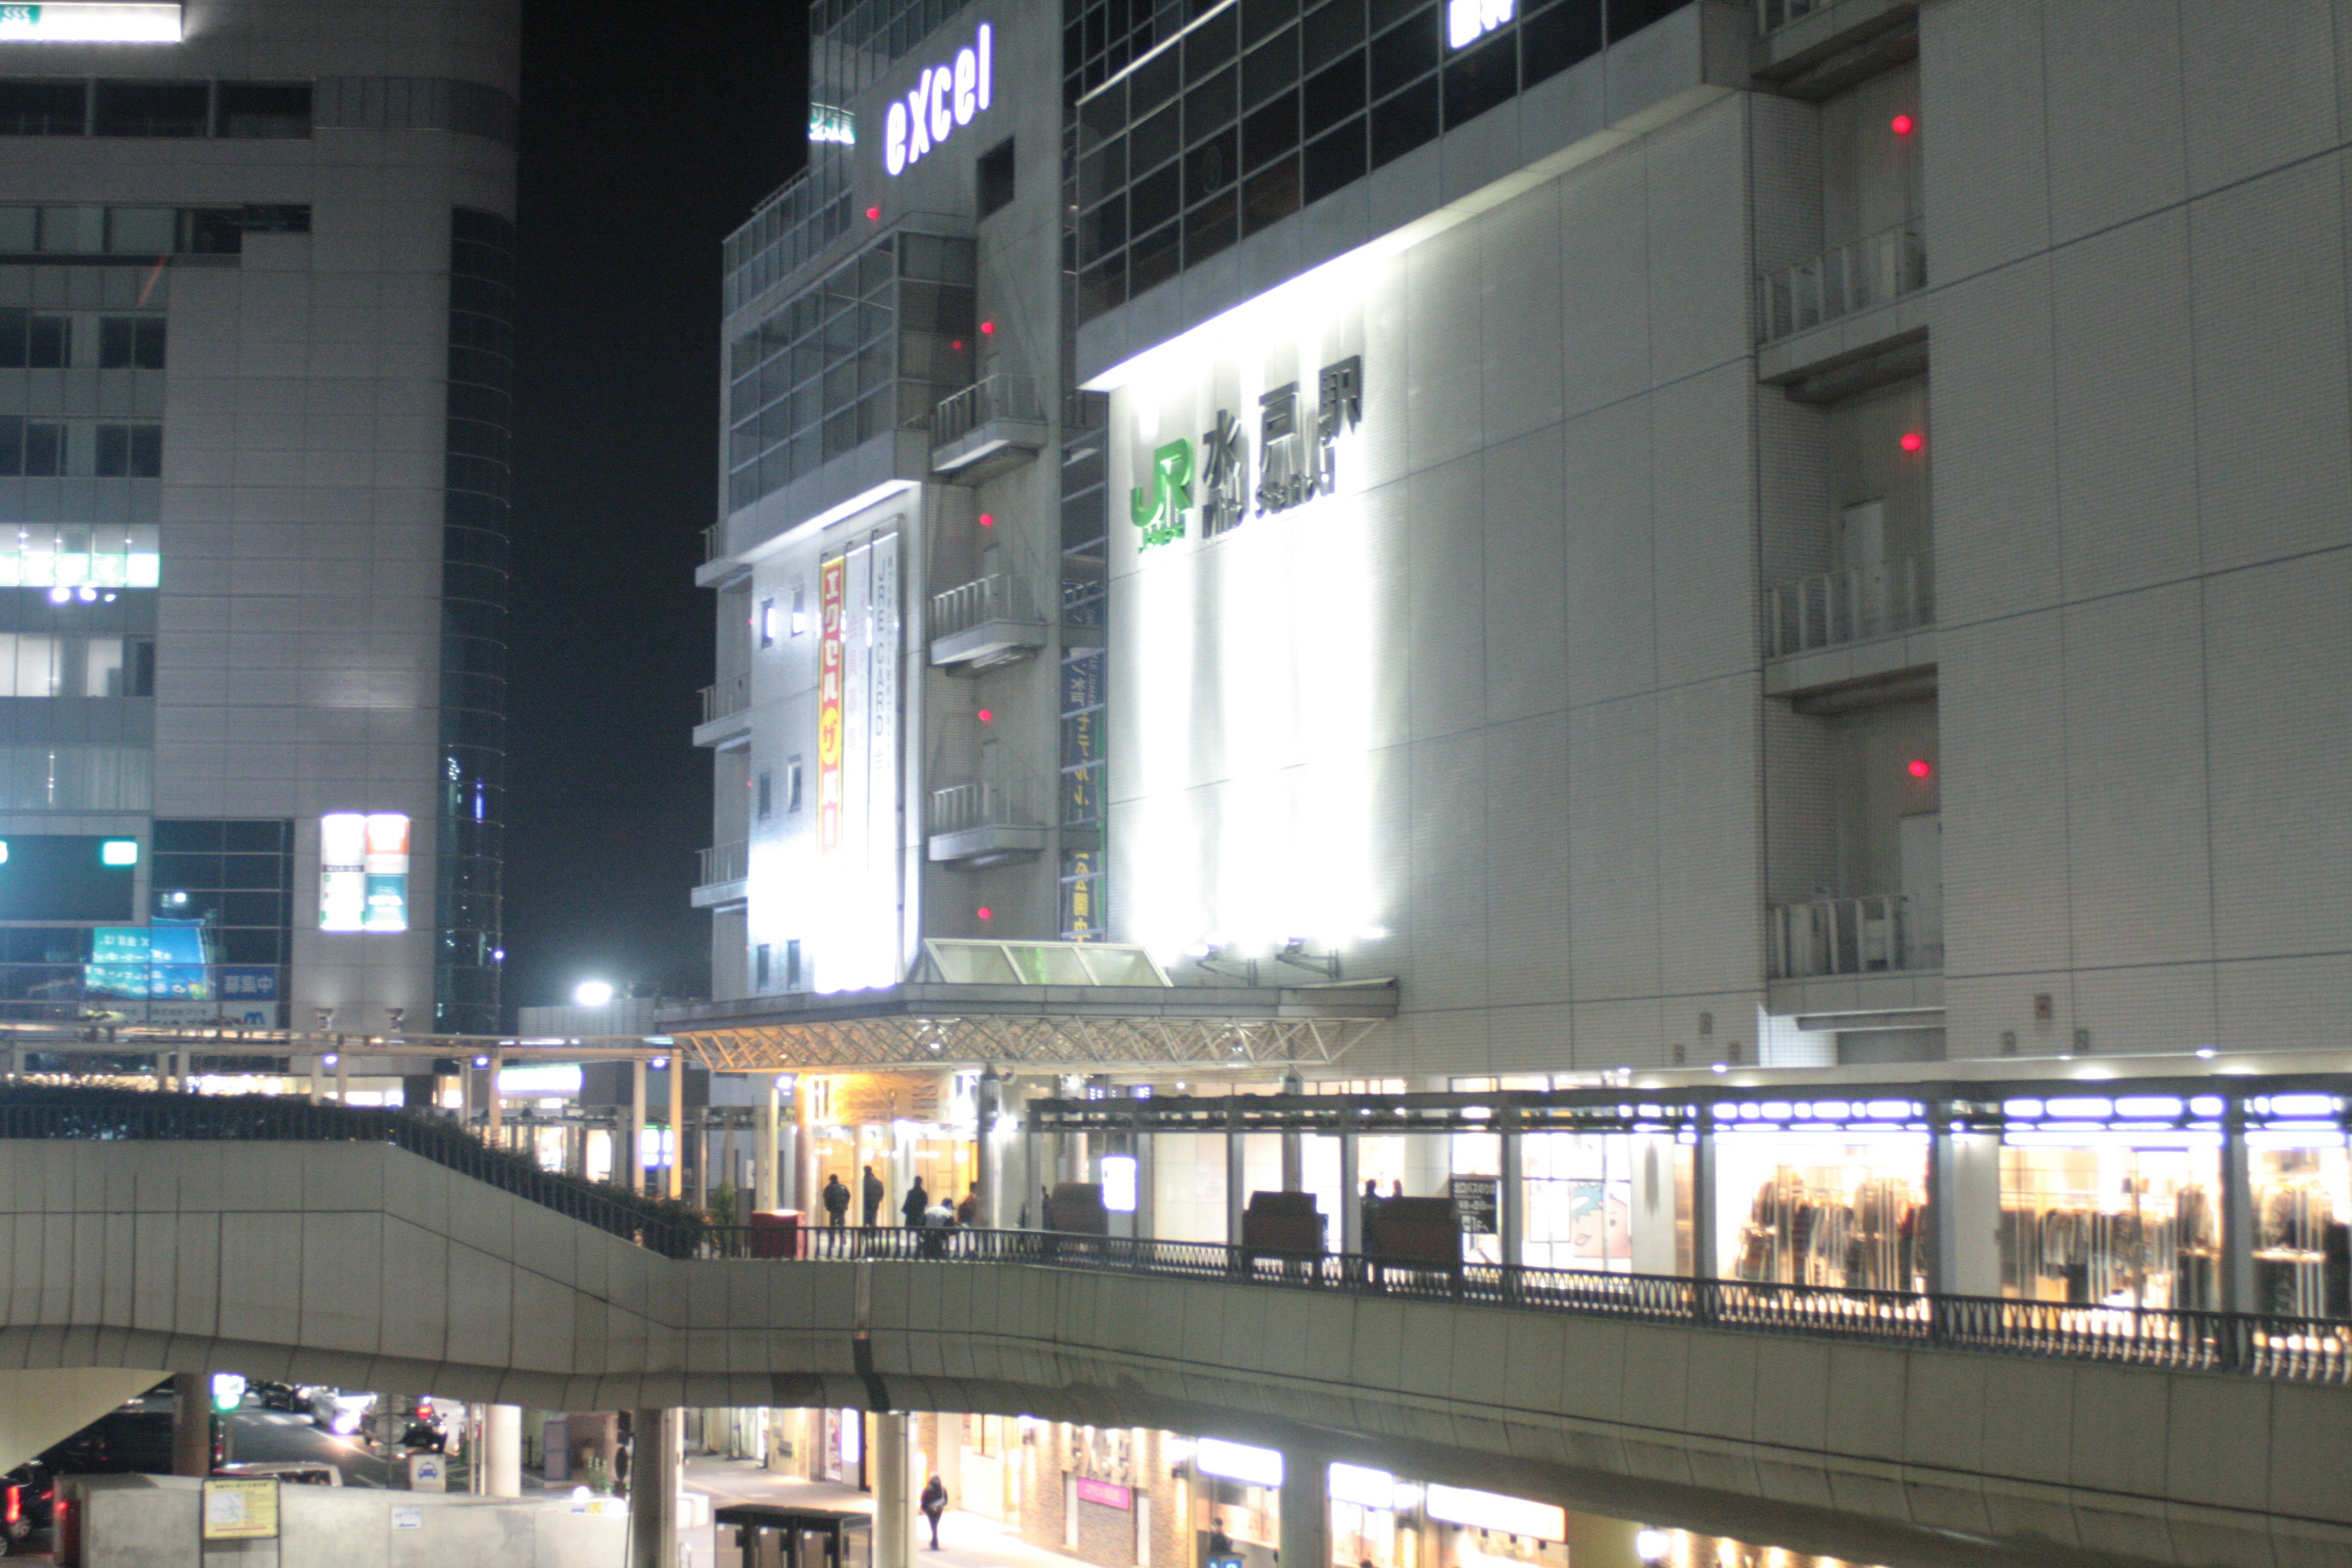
(764, 1153)
(1703, 1262)
(494, 1106)
(1236, 1181)
(502, 1450)
(633, 1161)
(466, 1095)
(894, 1502)
(1293, 1144)
(2237, 1281)
(676, 1187)
(1306, 1510)
(1352, 1192)
(1142, 1144)
(1655, 1208)
(191, 1425)
(342, 1079)
(806, 1186)
(989, 1104)
(1964, 1212)
(653, 1489)
(1511, 1192)
(318, 1085)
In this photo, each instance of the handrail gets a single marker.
(1866, 935)
(2295, 1350)
(997, 397)
(724, 863)
(980, 803)
(999, 596)
(45, 1112)
(1831, 608)
(726, 698)
(1851, 277)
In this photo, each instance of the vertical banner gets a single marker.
(857, 632)
(342, 871)
(882, 865)
(828, 706)
(387, 872)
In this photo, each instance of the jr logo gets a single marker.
(1159, 509)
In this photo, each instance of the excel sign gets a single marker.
(1297, 458)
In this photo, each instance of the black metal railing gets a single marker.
(2300, 1349)
(670, 1229)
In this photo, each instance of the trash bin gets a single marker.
(775, 1233)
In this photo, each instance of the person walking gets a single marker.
(915, 1204)
(836, 1201)
(967, 1211)
(871, 1189)
(934, 1502)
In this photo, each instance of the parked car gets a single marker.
(28, 1496)
(282, 1397)
(292, 1472)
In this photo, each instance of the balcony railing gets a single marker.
(730, 696)
(985, 802)
(714, 542)
(999, 596)
(1838, 607)
(1875, 935)
(723, 863)
(991, 397)
(1853, 277)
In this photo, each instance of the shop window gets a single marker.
(994, 172)
(131, 342)
(2302, 1224)
(1579, 1201)
(2108, 1220)
(1843, 1210)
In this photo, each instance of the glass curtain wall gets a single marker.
(2112, 1219)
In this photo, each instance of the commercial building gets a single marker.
(256, 306)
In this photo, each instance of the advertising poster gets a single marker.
(363, 871)
(386, 869)
(828, 706)
(241, 1509)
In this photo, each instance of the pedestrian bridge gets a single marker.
(1884, 1429)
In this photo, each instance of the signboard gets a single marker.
(874, 1098)
(363, 871)
(411, 1517)
(830, 654)
(91, 22)
(945, 96)
(241, 1509)
(1492, 1511)
(427, 1473)
(1477, 1200)
(1105, 1493)
(1297, 459)
(165, 961)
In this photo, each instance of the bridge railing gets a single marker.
(42, 1112)
(2300, 1349)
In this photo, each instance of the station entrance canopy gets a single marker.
(1070, 1005)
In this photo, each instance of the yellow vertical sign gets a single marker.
(828, 706)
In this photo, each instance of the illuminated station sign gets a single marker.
(91, 22)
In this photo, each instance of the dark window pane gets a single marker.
(1153, 201)
(251, 909)
(1332, 95)
(41, 108)
(1558, 39)
(1387, 14)
(1210, 228)
(273, 838)
(1627, 18)
(1151, 260)
(1208, 46)
(1331, 32)
(1102, 231)
(1102, 171)
(1210, 107)
(1404, 53)
(45, 450)
(15, 326)
(49, 346)
(1481, 78)
(1271, 69)
(247, 946)
(1404, 121)
(264, 109)
(186, 869)
(1260, 17)
(11, 446)
(1155, 82)
(1102, 287)
(113, 451)
(151, 109)
(1271, 131)
(146, 451)
(1212, 167)
(176, 835)
(1105, 114)
(1153, 142)
(1335, 160)
(1270, 195)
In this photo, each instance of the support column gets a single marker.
(318, 1086)
(676, 1186)
(989, 1104)
(494, 1106)
(1511, 1194)
(1293, 1144)
(2237, 1281)
(1236, 1179)
(894, 1506)
(653, 1489)
(806, 1186)
(191, 1425)
(502, 1450)
(764, 1153)
(1964, 1212)
(633, 1161)
(1351, 1194)
(1305, 1510)
(342, 1079)
(1703, 1266)
(1143, 1144)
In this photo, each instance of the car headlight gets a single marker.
(346, 1423)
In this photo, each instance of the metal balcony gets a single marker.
(989, 427)
(1873, 271)
(984, 823)
(722, 881)
(726, 714)
(1853, 605)
(1878, 933)
(981, 624)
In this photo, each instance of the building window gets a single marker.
(800, 610)
(43, 108)
(767, 623)
(760, 967)
(30, 341)
(995, 173)
(767, 795)
(792, 964)
(131, 342)
(792, 785)
(152, 108)
(31, 448)
(130, 451)
(263, 110)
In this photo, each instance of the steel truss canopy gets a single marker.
(1066, 1005)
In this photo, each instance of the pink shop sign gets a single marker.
(1105, 1493)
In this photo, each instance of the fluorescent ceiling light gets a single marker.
(92, 22)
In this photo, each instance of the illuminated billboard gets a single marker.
(91, 22)
(165, 961)
(363, 871)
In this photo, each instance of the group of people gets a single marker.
(916, 1208)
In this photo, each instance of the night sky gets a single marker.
(649, 131)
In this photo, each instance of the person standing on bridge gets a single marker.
(916, 1206)
(872, 1192)
(934, 1502)
(836, 1201)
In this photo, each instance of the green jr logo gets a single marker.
(24, 15)
(1159, 508)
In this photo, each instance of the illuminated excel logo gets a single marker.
(1159, 508)
(944, 98)
(1467, 21)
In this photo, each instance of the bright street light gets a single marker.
(593, 993)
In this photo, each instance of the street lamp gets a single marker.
(592, 994)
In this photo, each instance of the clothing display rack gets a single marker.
(1799, 1233)
(2303, 1253)
(2083, 1256)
